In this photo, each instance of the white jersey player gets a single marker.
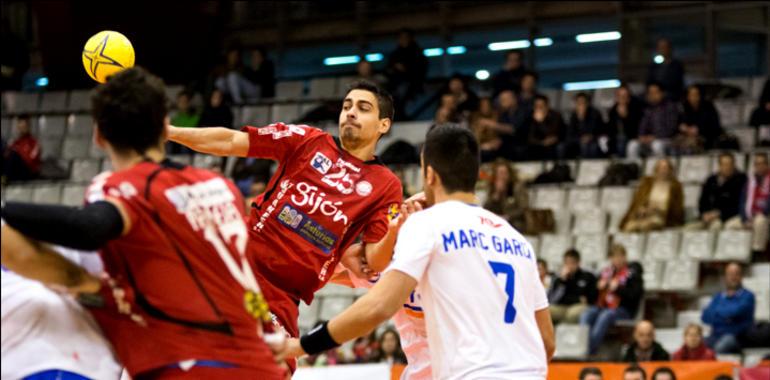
(486, 312)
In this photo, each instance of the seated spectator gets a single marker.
(185, 115)
(669, 71)
(233, 82)
(624, 118)
(483, 123)
(590, 373)
(620, 290)
(663, 373)
(447, 110)
(216, 113)
(261, 73)
(658, 126)
(249, 172)
(760, 116)
(657, 203)
(406, 69)
(546, 277)
(389, 350)
(465, 100)
(634, 372)
(365, 347)
(21, 159)
(572, 290)
(720, 196)
(694, 348)
(509, 77)
(585, 131)
(730, 313)
(546, 130)
(507, 195)
(699, 126)
(514, 119)
(644, 348)
(364, 71)
(755, 204)
(528, 91)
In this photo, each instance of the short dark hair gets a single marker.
(589, 371)
(531, 74)
(664, 370)
(384, 99)
(541, 97)
(583, 95)
(517, 52)
(24, 116)
(656, 84)
(760, 154)
(633, 368)
(573, 253)
(453, 152)
(727, 154)
(130, 110)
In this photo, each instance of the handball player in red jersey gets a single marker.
(324, 195)
(180, 299)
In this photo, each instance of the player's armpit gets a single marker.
(545, 325)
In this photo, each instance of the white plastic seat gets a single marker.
(632, 242)
(50, 147)
(528, 171)
(563, 220)
(604, 98)
(85, 169)
(308, 315)
(729, 112)
(681, 275)
(591, 171)
(323, 88)
(580, 199)
(17, 193)
(289, 89)
(256, 116)
(571, 341)
(331, 306)
(691, 195)
(694, 169)
(698, 245)
(684, 318)
(616, 199)
(51, 126)
(75, 148)
(740, 161)
(757, 84)
(590, 221)
(747, 137)
(670, 339)
(649, 164)
(285, 113)
(592, 247)
(54, 101)
(73, 195)
(662, 245)
(733, 245)
(79, 100)
(652, 275)
(753, 356)
(744, 83)
(552, 247)
(206, 161)
(761, 289)
(342, 85)
(534, 241)
(49, 193)
(21, 102)
(80, 125)
(549, 197)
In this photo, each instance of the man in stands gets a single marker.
(667, 70)
(644, 348)
(755, 204)
(659, 124)
(509, 77)
(572, 291)
(21, 161)
(730, 313)
(721, 193)
(546, 130)
(324, 195)
(180, 299)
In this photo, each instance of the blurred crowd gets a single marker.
(384, 347)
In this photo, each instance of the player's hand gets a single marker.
(292, 349)
(416, 202)
(354, 259)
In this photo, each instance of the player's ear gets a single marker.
(385, 125)
(430, 175)
(166, 124)
(99, 139)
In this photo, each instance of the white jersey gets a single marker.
(410, 324)
(480, 289)
(42, 330)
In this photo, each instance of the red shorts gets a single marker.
(284, 307)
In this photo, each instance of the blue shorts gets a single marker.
(55, 374)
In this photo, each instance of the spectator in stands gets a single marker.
(658, 126)
(721, 193)
(663, 373)
(699, 126)
(572, 290)
(261, 73)
(465, 100)
(657, 203)
(488, 131)
(644, 348)
(447, 110)
(514, 118)
(249, 172)
(634, 372)
(389, 350)
(730, 313)
(406, 70)
(21, 159)
(760, 117)
(546, 277)
(546, 130)
(694, 348)
(667, 70)
(365, 71)
(185, 115)
(755, 204)
(620, 290)
(233, 82)
(509, 77)
(528, 91)
(590, 373)
(624, 118)
(507, 194)
(585, 132)
(365, 347)
(216, 113)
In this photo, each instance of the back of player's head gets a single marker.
(634, 372)
(384, 99)
(590, 373)
(130, 110)
(453, 153)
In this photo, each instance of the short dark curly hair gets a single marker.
(384, 99)
(130, 110)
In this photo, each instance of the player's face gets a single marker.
(360, 122)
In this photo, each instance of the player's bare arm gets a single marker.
(545, 325)
(217, 141)
(378, 255)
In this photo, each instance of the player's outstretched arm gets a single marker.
(217, 141)
(545, 325)
(378, 255)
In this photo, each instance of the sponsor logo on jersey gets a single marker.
(393, 211)
(307, 228)
(277, 135)
(321, 163)
(490, 222)
(310, 196)
(364, 188)
(285, 186)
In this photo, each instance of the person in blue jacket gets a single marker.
(730, 313)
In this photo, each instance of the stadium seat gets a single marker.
(308, 315)
(549, 197)
(616, 199)
(20, 102)
(285, 113)
(528, 171)
(75, 148)
(730, 112)
(50, 147)
(563, 220)
(289, 89)
(604, 98)
(744, 83)
(51, 127)
(614, 222)
(662, 245)
(684, 318)
(691, 196)
(534, 241)
(733, 245)
(590, 221)
(694, 169)
(256, 116)
(582, 198)
(698, 245)
(73, 194)
(106, 165)
(747, 136)
(331, 306)
(591, 171)
(17, 193)
(552, 247)
(342, 85)
(753, 356)
(671, 339)
(334, 290)
(681, 275)
(592, 248)
(649, 164)
(740, 161)
(80, 125)
(323, 88)
(48, 193)
(760, 270)
(757, 83)
(653, 274)
(412, 132)
(761, 289)
(55, 101)
(85, 169)
(206, 161)
(633, 242)
(94, 151)
(730, 358)
(79, 101)
(6, 126)
(185, 159)
(571, 341)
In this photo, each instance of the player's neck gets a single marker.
(459, 196)
(363, 153)
(121, 161)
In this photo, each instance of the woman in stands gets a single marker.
(507, 195)
(694, 348)
(658, 202)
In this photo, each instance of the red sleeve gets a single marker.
(107, 185)
(376, 226)
(277, 141)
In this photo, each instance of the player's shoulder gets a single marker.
(281, 129)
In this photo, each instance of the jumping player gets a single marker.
(181, 299)
(486, 311)
(324, 195)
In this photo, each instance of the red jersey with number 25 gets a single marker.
(318, 203)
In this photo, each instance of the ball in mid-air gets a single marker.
(106, 53)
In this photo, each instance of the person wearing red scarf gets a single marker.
(694, 348)
(755, 204)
